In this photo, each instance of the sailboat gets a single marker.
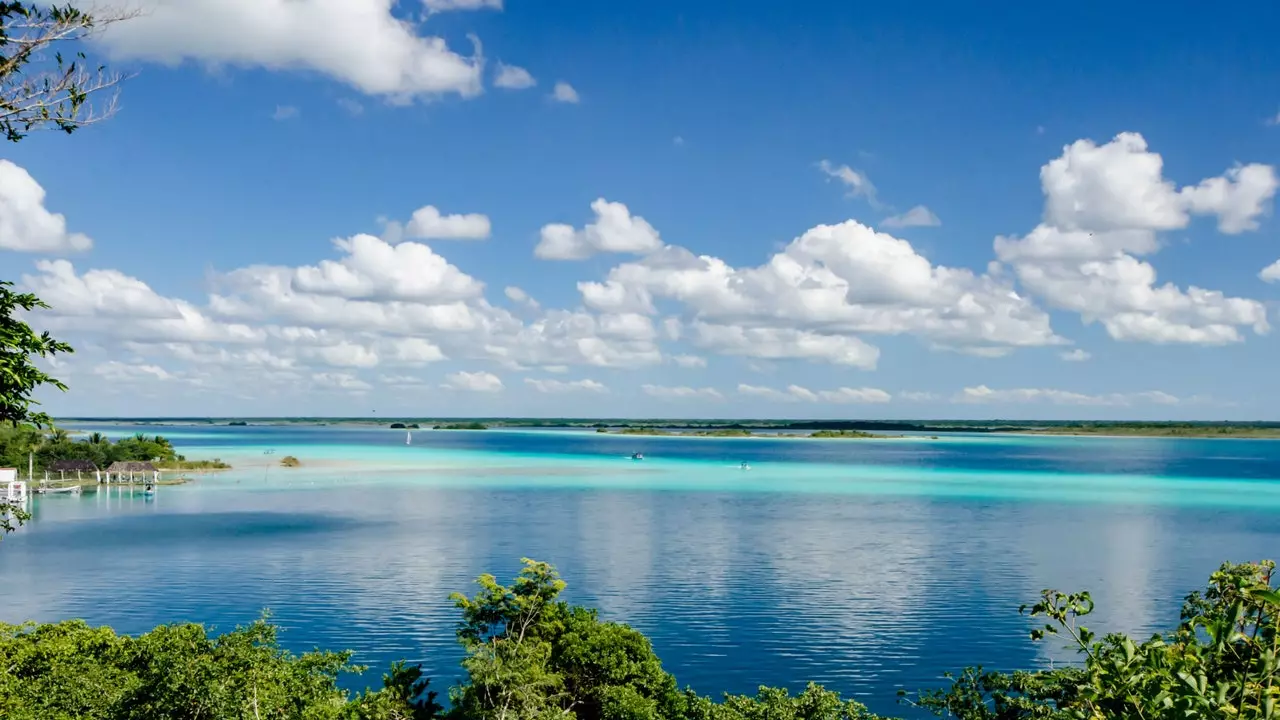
(408, 438)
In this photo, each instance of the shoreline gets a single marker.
(1257, 430)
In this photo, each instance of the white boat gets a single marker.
(408, 438)
(637, 456)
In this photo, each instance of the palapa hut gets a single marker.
(122, 470)
(79, 467)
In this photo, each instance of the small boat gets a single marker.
(637, 456)
(745, 466)
(408, 438)
(149, 490)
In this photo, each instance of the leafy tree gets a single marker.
(1221, 662)
(70, 671)
(532, 655)
(40, 92)
(19, 344)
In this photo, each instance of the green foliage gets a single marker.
(36, 93)
(70, 671)
(531, 656)
(19, 346)
(462, 426)
(815, 703)
(1221, 662)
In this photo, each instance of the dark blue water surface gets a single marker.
(864, 593)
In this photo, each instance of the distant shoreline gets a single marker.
(751, 428)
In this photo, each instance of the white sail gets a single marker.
(408, 438)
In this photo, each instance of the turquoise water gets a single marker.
(866, 565)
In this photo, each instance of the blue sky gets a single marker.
(749, 277)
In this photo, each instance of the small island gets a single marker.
(462, 426)
(403, 426)
(830, 434)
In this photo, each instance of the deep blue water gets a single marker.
(850, 583)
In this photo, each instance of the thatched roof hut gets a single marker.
(126, 469)
(122, 466)
(66, 466)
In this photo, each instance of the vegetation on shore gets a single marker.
(529, 655)
(180, 465)
(462, 426)
(16, 443)
(404, 426)
(825, 434)
(776, 428)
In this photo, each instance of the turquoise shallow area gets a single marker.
(866, 565)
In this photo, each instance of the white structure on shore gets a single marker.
(12, 490)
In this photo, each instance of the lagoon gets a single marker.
(867, 565)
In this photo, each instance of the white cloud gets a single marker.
(447, 5)
(564, 92)
(682, 392)
(428, 224)
(351, 106)
(285, 112)
(918, 216)
(796, 393)
(1271, 273)
(513, 77)
(416, 351)
(340, 381)
(1076, 355)
(816, 297)
(615, 230)
(917, 396)
(559, 386)
(1103, 207)
(346, 355)
(858, 183)
(785, 344)
(520, 297)
(984, 394)
(473, 381)
(689, 361)
(114, 371)
(358, 42)
(374, 269)
(25, 224)
(1273, 120)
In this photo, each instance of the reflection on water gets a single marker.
(864, 577)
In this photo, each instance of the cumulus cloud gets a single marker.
(564, 92)
(25, 224)
(1104, 205)
(285, 112)
(520, 297)
(681, 392)
(473, 381)
(984, 394)
(615, 230)
(373, 268)
(815, 298)
(513, 77)
(797, 393)
(429, 224)
(1271, 273)
(918, 216)
(358, 42)
(559, 386)
(1076, 355)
